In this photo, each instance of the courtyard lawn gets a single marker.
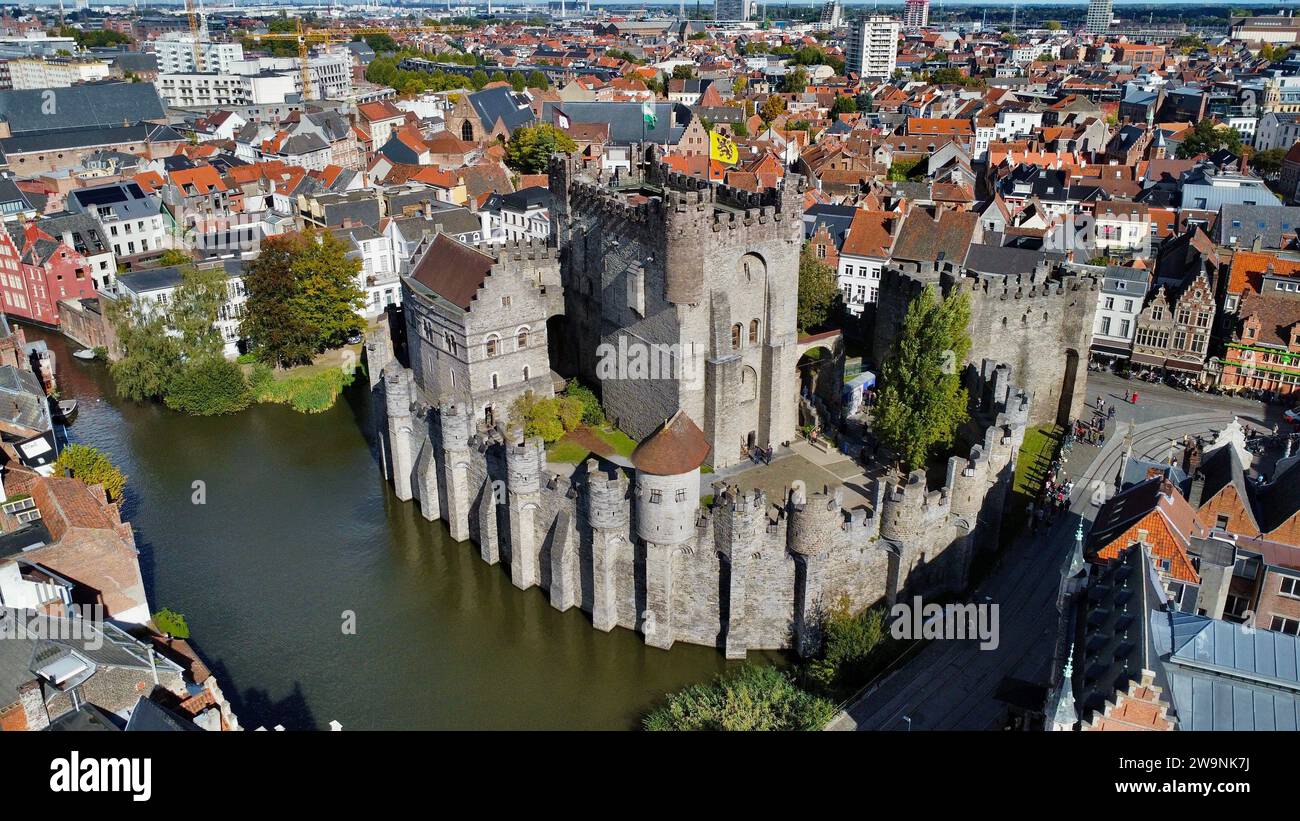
(575, 446)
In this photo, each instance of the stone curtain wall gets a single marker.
(756, 573)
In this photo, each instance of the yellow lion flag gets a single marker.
(723, 149)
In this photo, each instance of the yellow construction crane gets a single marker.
(194, 32)
(304, 36)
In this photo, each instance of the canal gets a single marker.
(299, 527)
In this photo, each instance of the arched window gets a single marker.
(526, 373)
(753, 332)
(467, 131)
(496, 382)
(735, 337)
(493, 345)
(522, 339)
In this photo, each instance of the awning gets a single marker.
(1111, 350)
(1148, 359)
(1182, 365)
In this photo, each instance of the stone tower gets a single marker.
(524, 461)
(607, 515)
(667, 503)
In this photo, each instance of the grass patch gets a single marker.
(576, 446)
(307, 389)
(1036, 454)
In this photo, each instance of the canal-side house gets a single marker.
(156, 287)
(132, 220)
(378, 277)
(27, 434)
(38, 270)
(1264, 351)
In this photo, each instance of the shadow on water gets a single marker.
(299, 531)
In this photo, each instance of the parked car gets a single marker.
(1293, 416)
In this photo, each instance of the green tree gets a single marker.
(818, 292)
(518, 82)
(208, 387)
(683, 71)
(921, 398)
(195, 308)
(303, 298)
(795, 82)
(773, 107)
(530, 147)
(550, 417)
(1053, 25)
(1268, 163)
(538, 80)
(91, 466)
(1206, 138)
(592, 412)
(851, 645)
(171, 623)
(381, 43)
(755, 697)
(844, 105)
(739, 85)
(150, 354)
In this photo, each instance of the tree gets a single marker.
(196, 306)
(739, 85)
(518, 82)
(795, 82)
(921, 398)
(550, 417)
(174, 257)
(303, 298)
(755, 697)
(538, 80)
(1208, 137)
(208, 387)
(171, 623)
(530, 147)
(818, 291)
(380, 43)
(682, 71)
(91, 466)
(844, 105)
(773, 107)
(1268, 163)
(150, 354)
(1053, 25)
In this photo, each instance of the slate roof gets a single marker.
(624, 120)
(452, 270)
(1225, 676)
(836, 218)
(1005, 259)
(1246, 222)
(501, 103)
(22, 399)
(91, 105)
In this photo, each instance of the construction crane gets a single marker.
(194, 32)
(304, 37)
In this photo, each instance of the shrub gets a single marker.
(171, 623)
(850, 649)
(549, 418)
(755, 697)
(91, 466)
(208, 387)
(312, 392)
(592, 413)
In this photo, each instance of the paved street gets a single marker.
(951, 684)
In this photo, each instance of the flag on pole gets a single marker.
(723, 149)
(648, 115)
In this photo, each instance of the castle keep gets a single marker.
(700, 276)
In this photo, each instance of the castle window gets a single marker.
(753, 332)
(656, 497)
(681, 494)
(526, 373)
(735, 337)
(522, 339)
(496, 382)
(493, 345)
(467, 132)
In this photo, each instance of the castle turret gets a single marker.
(607, 514)
(816, 527)
(739, 522)
(456, 426)
(667, 502)
(397, 402)
(688, 216)
(524, 461)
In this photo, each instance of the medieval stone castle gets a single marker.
(711, 274)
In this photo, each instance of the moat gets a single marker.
(297, 528)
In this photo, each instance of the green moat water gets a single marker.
(299, 526)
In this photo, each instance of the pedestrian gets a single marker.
(1135, 397)
(769, 453)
